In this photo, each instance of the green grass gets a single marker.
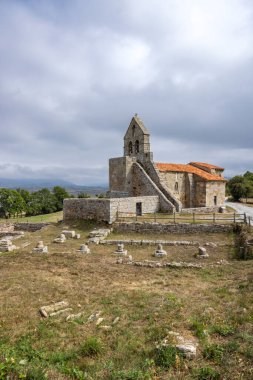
(91, 347)
(207, 373)
(214, 352)
(47, 218)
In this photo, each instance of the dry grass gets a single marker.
(208, 218)
(148, 301)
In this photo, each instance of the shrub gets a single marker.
(91, 347)
(242, 250)
(166, 356)
(232, 346)
(130, 375)
(207, 373)
(214, 352)
(223, 330)
(199, 329)
(36, 374)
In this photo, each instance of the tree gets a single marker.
(25, 194)
(241, 186)
(83, 195)
(60, 194)
(42, 202)
(11, 203)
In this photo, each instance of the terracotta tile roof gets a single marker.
(205, 165)
(188, 169)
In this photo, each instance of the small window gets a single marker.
(137, 146)
(176, 186)
(130, 147)
(215, 200)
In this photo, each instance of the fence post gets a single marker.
(249, 221)
(136, 217)
(174, 217)
(193, 217)
(245, 218)
(234, 217)
(214, 217)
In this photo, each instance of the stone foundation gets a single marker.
(200, 210)
(182, 228)
(29, 227)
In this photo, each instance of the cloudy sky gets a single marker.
(74, 72)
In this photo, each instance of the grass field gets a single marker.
(50, 218)
(183, 218)
(212, 306)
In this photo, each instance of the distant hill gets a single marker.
(36, 184)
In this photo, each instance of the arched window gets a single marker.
(130, 148)
(137, 146)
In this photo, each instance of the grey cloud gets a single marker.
(74, 73)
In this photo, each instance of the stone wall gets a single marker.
(160, 182)
(200, 193)
(6, 227)
(29, 227)
(182, 228)
(87, 208)
(179, 190)
(150, 205)
(120, 175)
(144, 185)
(215, 188)
(200, 210)
(106, 209)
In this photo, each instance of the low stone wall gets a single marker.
(182, 228)
(29, 227)
(6, 227)
(151, 242)
(200, 210)
(106, 209)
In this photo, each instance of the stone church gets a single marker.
(177, 186)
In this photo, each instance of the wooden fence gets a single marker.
(186, 218)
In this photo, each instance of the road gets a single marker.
(241, 208)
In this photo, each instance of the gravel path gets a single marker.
(241, 208)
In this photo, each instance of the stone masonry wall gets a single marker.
(200, 194)
(6, 227)
(200, 210)
(29, 227)
(87, 208)
(181, 228)
(150, 204)
(215, 188)
(120, 175)
(170, 178)
(106, 209)
(160, 182)
(143, 184)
